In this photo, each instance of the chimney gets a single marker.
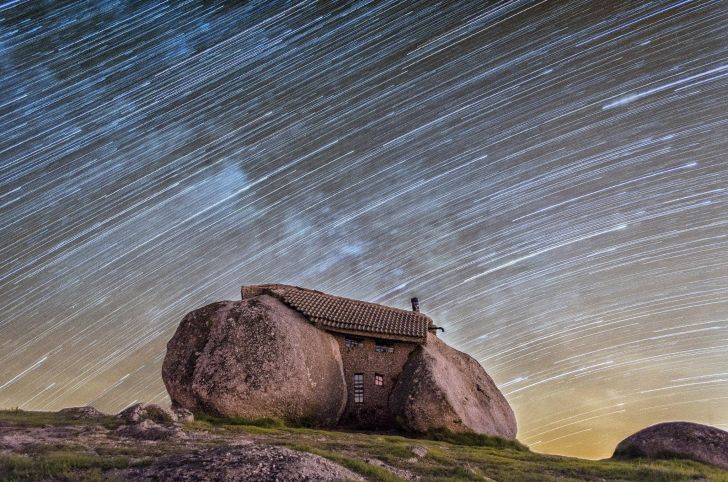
(415, 304)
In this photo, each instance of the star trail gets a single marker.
(549, 178)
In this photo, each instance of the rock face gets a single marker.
(255, 358)
(683, 440)
(441, 387)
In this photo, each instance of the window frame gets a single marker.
(383, 346)
(378, 380)
(351, 342)
(358, 388)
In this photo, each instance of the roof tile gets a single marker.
(336, 312)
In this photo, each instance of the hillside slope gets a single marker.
(55, 446)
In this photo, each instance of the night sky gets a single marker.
(549, 177)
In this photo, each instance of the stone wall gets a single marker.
(374, 411)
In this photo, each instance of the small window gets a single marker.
(358, 388)
(382, 346)
(378, 380)
(351, 342)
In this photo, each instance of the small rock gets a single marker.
(146, 411)
(85, 412)
(149, 430)
(401, 473)
(183, 415)
(419, 450)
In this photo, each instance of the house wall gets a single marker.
(374, 411)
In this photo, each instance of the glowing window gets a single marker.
(378, 379)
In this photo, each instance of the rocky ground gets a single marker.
(145, 443)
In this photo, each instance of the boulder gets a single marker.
(150, 430)
(255, 358)
(443, 388)
(146, 411)
(248, 463)
(677, 440)
(81, 413)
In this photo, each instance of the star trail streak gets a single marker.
(550, 178)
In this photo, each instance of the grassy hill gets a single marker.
(52, 446)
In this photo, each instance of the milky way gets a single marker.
(549, 177)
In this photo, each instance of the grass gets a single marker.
(268, 422)
(372, 472)
(465, 457)
(58, 465)
(450, 457)
(20, 418)
(475, 439)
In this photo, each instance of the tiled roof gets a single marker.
(348, 315)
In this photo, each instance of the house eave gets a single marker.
(370, 334)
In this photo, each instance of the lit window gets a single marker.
(382, 346)
(350, 342)
(358, 388)
(378, 379)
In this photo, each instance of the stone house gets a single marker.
(375, 342)
(307, 357)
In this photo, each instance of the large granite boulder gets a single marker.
(677, 440)
(443, 388)
(253, 359)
